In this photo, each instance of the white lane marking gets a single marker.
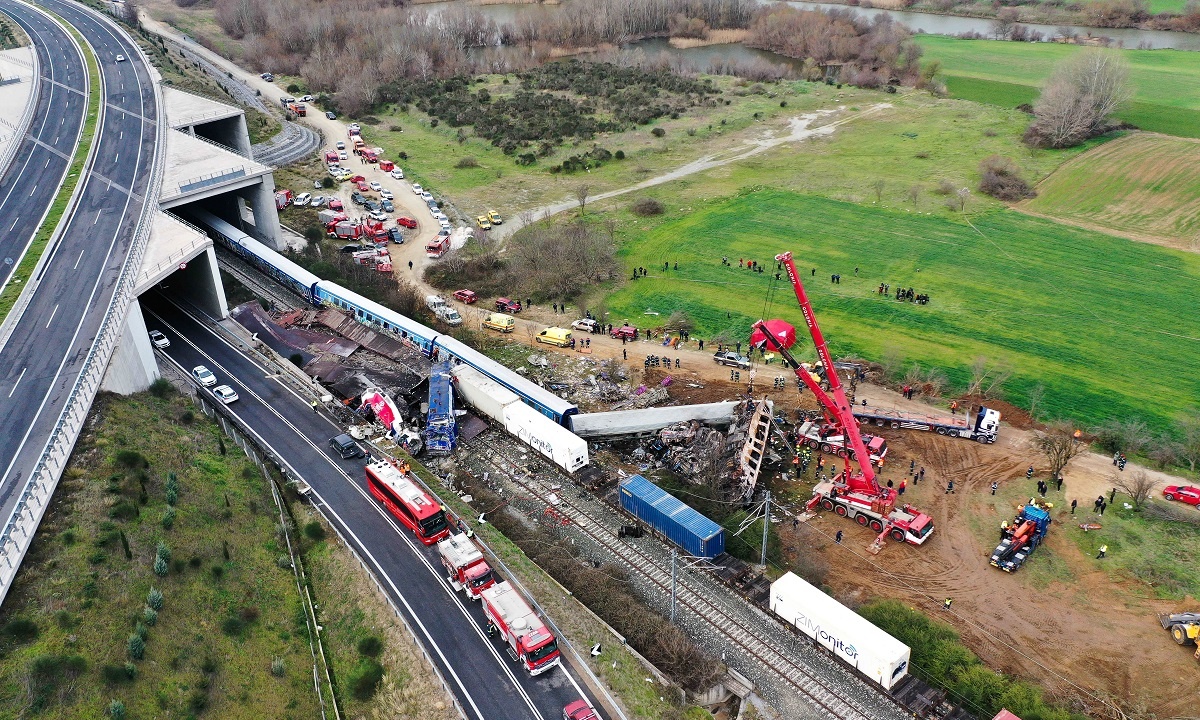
(18, 382)
(52, 314)
(31, 192)
(10, 229)
(401, 532)
(94, 222)
(81, 252)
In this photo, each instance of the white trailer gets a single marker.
(877, 655)
(565, 448)
(483, 393)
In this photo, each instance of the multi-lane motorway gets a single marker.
(487, 683)
(44, 355)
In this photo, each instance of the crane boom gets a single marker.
(834, 402)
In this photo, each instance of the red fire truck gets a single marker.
(438, 246)
(528, 640)
(465, 567)
(411, 505)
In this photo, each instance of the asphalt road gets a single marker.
(32, 179)
(488, 684)
(44, 356)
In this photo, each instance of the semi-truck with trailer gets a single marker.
(982, 425)
(847, 635)
(1021, 538)
(525, 636)
(830, 439)
(465, 567)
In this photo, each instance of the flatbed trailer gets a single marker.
(982, 425)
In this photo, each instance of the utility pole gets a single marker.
(674, 554)
(766, 526)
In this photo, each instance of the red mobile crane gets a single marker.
(858, 496)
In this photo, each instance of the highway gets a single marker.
(487, 683)
(42, 359)
(31, 181)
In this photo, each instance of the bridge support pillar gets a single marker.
(132, 367)
(266, 217)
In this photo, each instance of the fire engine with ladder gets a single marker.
(855, 495)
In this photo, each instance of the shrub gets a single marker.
(218, 572)
(168, 518)
(284, 561)
(172, 496)
(467, 162)
(132, 459)
(198, 700)
(293, 88)
(141, 630)
(327, 183)
(154, 599)
(187, 417)
(1001, 179)
(136, 646)
(114, 674)
(365, 679)
(150, 616)
(945, 187)
(620, 154)
(164, 552)
(160, 567)
(296, 359)
(370, 646)
(232, 626)
(68, 537)
(130, 670)
(277, 668)
(248, 614)
(658, 132)
(116, 710)
(21, 629)
(160, 388)
(208, 665)
(124, 510)
(646, 207)
(125, 546)
(314, 531)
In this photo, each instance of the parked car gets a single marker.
(387, 206)
(340, 145)
(407, 222)
(225, 394)
(376, 186)
(467, 296)
(302, 199)
(159, 340)
(336, 204)
(484, 223)
(732, 359)
(204, 376)
(331, 115)
(264, 76)
(387, 195)
(317, 201)
(345, 447)
(306, 98)
(505, 305)
(495, 217)
(363, 187)
(554, 336)
(342, 154)
(377, 215)
(1189, 494)
(585, 324)
(398, 174)
(358, 198)
(396, 235)
(417, 189)
(357, 179)
(371, 205)
(628, 332)
(354, 126)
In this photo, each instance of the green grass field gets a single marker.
(224, 618)
(1098, 320)
(1165, 83)
(1142, 184)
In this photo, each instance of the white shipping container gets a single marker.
(845, 633)
(539, 432)
(483, 393)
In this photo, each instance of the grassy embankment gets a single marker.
(1074, 310)
(1145, 186)
(229, 610)
(29, 261)
(1165, 83)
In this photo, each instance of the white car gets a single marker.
(120, 58)
(302, 199)
(225, 394)
(159, 340)
(342, 155)
(318, 201)
(341, 145)
(204, 376)
(354, 126)
(387, 195)
(417, 189)
(375, 186)
(398, 174)
(306, 98)
(427, 196)
(378, 215)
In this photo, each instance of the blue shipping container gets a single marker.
(682, 525)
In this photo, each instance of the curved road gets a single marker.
(42, 359)
(487, 683)
(30, 183)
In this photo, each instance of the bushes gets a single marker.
(365, 679)
(465, 163)
(154, 599)
(314, 531)
(370, 646)
(22, 630)
(646, 207)
(52, 676)
(149, 616)
(136, 646)
(161, 388)
(1000, 178)
(132, 459)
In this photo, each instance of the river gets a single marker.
(919, 22)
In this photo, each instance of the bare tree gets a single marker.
(1189, 438)
(1037, 394)
(1165, 452)
(1128, 436)
(581, 196)
(986, 377)
(1078, 99)
(914, 194)
(1005, 22)
(878, 187)
(962, 195)
(1059, 442)
(1137, 485)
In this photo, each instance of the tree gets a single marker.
(914, 194)
(1059, 443)
(1037, 394)
(962, 195)
(878, 187)
(581, 196)
(1078, 99)
(1128, 436)
(1137, 485)
(1189, 443)
(986, 377)
(1005, 22)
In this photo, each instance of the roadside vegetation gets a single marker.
(11, 34)
(1180, 15)
(154, 580)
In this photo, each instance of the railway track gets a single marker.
(254, 280)
(717, 621)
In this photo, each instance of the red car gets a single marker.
(358, 179)
(336, 204)
(625, 331)
(1189, 494)
(406, 222)
(467, 296)
(505, 305)
(363, 187)
(579, 710)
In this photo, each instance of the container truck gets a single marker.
(982, 425)
(524, 634)
(878, 656)
(465, 567)
(696, 534)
